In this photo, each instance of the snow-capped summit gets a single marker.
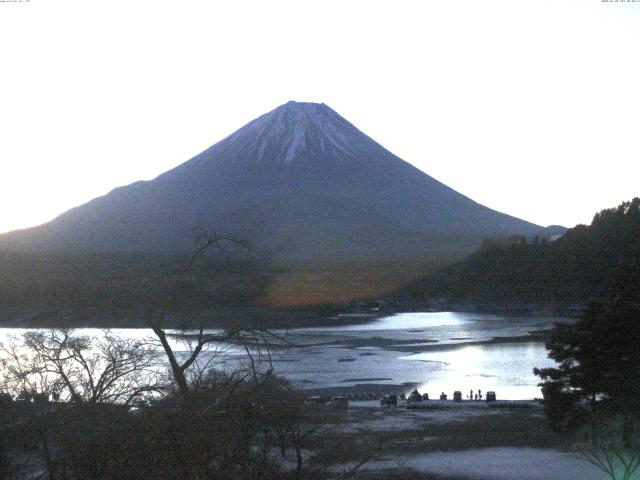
(297, 128)
(301, 123)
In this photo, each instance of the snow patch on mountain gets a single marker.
(300, 125)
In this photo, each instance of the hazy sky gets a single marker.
(529, 107)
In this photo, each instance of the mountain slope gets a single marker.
(299, 182)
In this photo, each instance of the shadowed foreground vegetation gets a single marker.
(79, 407)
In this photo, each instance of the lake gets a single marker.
(440, 351)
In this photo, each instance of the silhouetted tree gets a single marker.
(599, 361)
(72, 390)
(186, 369)
(63, 365)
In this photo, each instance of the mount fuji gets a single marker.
(300, 183)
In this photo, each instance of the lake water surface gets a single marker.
(442, 352)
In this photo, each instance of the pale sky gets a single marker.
(529, 107)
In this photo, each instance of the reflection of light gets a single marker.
(463, 356)
(503, 368)
(469, 355)
(407, 321)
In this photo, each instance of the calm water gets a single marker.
(439, 351)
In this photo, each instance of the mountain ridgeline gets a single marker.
(300, 182)
(586, 262)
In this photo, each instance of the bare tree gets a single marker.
(86, 372)
(63, 365)
(204, 347)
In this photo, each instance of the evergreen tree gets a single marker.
(598, 360)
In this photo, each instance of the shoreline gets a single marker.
(247, 315)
